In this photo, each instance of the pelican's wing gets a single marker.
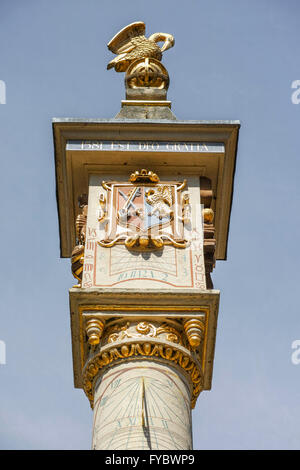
(121, 42)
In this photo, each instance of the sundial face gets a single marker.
(133, 211)
(142, 406)
(164, 268)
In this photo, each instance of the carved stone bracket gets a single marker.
(94, 330)
(194, 329)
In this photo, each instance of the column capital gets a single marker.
(153, 326)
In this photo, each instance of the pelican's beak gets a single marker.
(169, 42)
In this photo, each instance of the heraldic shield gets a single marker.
(144, 213)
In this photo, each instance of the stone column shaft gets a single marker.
(142, 405)
(142, 378)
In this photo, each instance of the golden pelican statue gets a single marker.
(130, 44)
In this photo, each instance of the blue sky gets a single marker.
(232, 60)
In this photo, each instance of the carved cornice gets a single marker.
(138, 306)
(130, 321)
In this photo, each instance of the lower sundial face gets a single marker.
(142, 406)
(166, 267)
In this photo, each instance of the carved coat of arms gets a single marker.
(144, 213)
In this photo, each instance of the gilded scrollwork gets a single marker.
(144, 176)
(118, 332)
(138, 349)
(139, 329)
(146, 328)
(172, 334)
(179, 341)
